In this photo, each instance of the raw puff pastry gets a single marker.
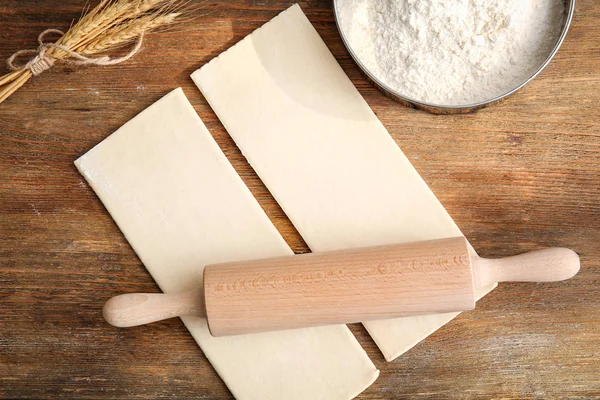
(323, 154)
(181, 206)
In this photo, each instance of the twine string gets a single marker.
(42, 60)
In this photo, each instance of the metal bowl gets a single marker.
(453, 109)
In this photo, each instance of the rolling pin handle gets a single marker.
(548, 265)
(135, 309)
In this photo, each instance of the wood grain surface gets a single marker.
(518, 176)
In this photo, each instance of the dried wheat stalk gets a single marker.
(111, 24)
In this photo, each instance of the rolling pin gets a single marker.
(341, 287)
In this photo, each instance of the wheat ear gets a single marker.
(125, 33)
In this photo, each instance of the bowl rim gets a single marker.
(569, 7)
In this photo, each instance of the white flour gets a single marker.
(451, 52)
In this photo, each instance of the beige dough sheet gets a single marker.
(323, 154)
(181, 206)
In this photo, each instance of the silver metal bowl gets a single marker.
(453, 109)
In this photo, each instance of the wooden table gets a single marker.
(517, 176)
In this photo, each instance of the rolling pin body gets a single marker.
(340, 286)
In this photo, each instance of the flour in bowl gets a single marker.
(451, 52)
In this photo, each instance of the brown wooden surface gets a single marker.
(518, 176)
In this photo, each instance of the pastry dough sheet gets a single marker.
(181, 206)
(323, 153)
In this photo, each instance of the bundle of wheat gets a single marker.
(108, 26)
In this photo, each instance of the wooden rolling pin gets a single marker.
(341, 287)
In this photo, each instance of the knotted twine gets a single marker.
(44, 60)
